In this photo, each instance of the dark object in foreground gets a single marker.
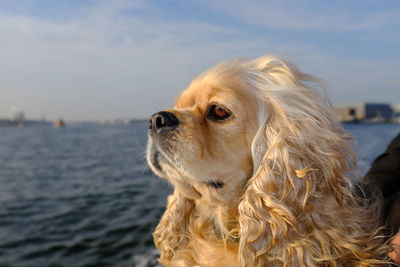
(385, 175)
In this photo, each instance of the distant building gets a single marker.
(18, 119)
(378, 112)
(350, 112)
(373, 112)
(396, 110)
(17, 115)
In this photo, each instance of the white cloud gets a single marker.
(118, 59)
(102, 58)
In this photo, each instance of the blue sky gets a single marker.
(94, 59)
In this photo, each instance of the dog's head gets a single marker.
(253, 133)
(216, 133)
(207, 137)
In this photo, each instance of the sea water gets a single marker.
(83, 195)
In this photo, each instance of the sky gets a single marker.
(107, 59)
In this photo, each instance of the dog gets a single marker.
(263, 173)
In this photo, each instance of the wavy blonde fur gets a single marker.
(297, 207)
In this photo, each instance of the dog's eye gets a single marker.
(218, 112)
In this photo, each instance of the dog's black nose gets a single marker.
(163, 119)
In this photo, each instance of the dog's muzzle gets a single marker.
(163, 121)
(161, 126)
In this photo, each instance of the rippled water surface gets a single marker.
(84, 196)
(78, 196)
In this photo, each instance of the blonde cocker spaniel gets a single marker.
(262, 173)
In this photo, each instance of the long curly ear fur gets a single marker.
(171, 232)
(298, 208)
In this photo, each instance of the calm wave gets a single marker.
(84, 196)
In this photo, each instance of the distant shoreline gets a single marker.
(12, 123)
(15, 123)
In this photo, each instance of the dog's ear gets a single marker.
(301, 160)
(172, 231)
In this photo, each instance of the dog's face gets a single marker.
(207, 136)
